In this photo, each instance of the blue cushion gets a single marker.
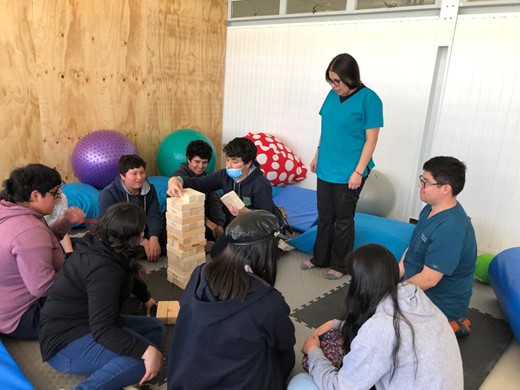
(395, 235)
(161, 185)
(83, 196)
(11, 377)
(305, 241)
(504, 278)
(301, 207)
(277, 190)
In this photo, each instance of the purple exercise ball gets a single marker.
(95, 157)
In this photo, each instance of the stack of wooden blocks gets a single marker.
(185, 229)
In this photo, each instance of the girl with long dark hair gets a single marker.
(82, 330)
(393, 336)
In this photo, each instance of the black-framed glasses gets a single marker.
(334, 83)
(56, 194)
(425, 183)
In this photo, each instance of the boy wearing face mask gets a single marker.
(242, 175)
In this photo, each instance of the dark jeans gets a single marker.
(335, 237)
(29, 326)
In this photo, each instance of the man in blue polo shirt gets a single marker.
(443, 249)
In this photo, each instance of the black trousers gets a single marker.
(29, 326)
(335, 237)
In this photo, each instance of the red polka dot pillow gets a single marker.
(279, 163)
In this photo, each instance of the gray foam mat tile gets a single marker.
(42, 376)
(299, 287)
(484, 300)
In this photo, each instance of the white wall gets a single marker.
(275, 82)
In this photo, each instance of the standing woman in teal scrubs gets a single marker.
(351, 117)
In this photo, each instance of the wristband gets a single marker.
(360, 174)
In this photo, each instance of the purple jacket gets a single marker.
(30, 257)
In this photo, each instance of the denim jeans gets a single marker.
(107, 369)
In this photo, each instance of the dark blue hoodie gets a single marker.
(255, 190)
(231, 344)
(116, 192)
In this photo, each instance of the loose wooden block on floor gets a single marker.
(167, 312)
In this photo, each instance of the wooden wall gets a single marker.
(141, 67)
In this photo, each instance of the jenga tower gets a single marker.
(185, 229)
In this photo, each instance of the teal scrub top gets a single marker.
(343, 133)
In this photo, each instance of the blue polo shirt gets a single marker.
(343, 133)
(446, 243)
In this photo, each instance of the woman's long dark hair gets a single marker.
(375, 276)
(23, 181)
(226, 275)
(120, 228)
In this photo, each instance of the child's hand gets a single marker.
(324, 328)
(312, 342)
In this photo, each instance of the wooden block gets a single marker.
(180, 275)
(178, 283)
(162, 311)
(186, 245)
(184, 267)
(172, 218)
(192, 196)
(172, 278)
(173, 312)
(188, 237)
(190, 250)
(178, 206)
(178, 229)
(183, 213)
(185, 259)
(168, 311)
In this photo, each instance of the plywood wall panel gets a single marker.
(19, 113)
(143, 68)
(188, 69)
(91, 59)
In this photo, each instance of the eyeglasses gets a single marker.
(56, 194)
(334, 83)
(425, 183)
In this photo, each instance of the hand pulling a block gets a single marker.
(175, 187)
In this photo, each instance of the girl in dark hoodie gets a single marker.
(233, 330)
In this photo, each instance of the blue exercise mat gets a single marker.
(300, 205)
(395, 235)
(11, 377)
(83, 196)
(504, 278)
(161, 186)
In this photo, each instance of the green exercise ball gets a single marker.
(172, 150)
(482, 267)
